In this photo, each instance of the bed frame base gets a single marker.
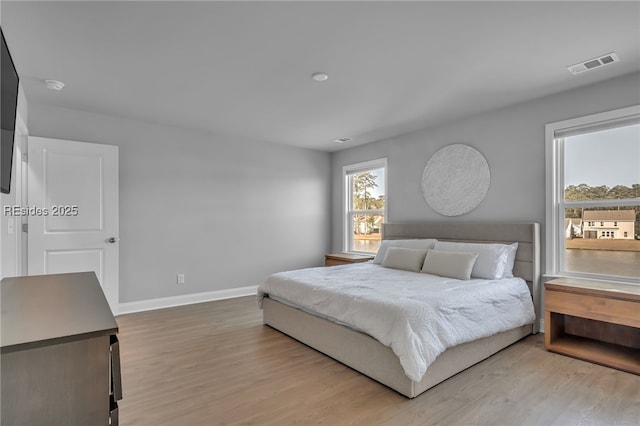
(368, 356)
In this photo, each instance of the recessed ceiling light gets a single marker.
(342, 140)
(54, 84)
(319, 76)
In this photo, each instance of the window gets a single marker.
(365, 205)
(582, 191)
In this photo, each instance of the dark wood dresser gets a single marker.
(59, 352)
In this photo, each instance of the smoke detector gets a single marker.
(594, 63)
(319, 76)
(54, 84)
(342, 140)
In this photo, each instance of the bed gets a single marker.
(360, 351)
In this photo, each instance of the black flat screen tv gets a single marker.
(9, 95)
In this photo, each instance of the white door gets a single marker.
(72, 196)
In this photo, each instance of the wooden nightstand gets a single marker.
(334, 259)
(597, 321)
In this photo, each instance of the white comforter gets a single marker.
(417, 315)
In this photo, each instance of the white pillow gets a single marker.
(416, 243)
(511, 260)
(404, 258)
(449, 264)
(493, 259)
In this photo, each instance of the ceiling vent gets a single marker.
(594, 63)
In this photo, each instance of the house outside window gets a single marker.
(365, 205)
(616, 220)
(593, 208)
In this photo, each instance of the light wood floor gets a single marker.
(217, 364)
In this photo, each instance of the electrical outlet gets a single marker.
(180, 280)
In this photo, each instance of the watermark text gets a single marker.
(41, 211)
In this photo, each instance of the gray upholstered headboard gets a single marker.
(526, 234)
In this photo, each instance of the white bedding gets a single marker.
(417, 315)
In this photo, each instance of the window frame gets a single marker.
(554, 187)
(348, 212)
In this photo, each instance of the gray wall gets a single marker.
(511, 139)
(225, 212)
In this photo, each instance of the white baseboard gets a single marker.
(185, 299)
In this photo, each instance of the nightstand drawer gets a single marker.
(593, 307)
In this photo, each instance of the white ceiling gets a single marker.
(243, 68)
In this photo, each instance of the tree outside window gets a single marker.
(365, 213)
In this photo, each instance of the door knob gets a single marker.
(113, 240)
